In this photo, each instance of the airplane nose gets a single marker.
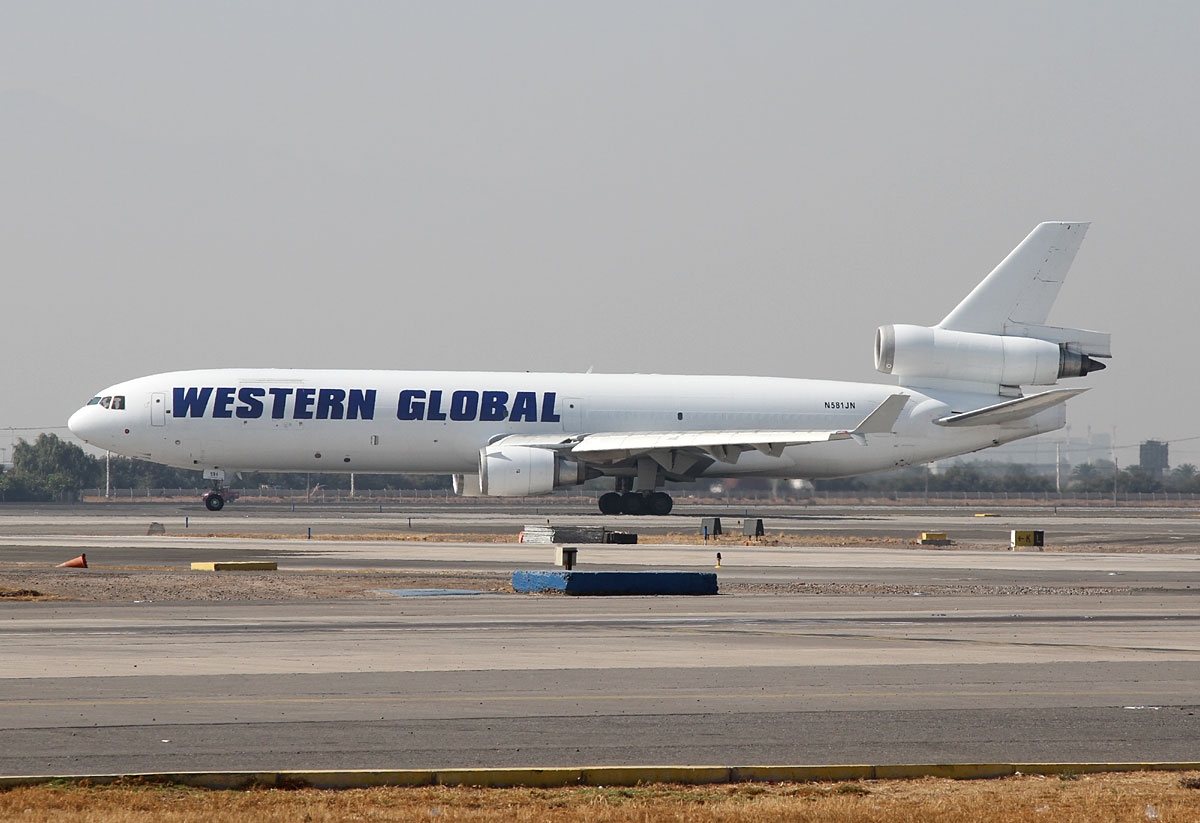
(75, 424)
(83, 424)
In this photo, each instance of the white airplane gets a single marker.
(510, 434)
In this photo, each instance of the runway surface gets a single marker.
(937, 656)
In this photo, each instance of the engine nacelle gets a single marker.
(926, 352)
(518, 471)
(466, 485)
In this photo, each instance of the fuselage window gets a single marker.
(118, 402)
(106, 402)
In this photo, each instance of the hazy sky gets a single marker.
(726, 188)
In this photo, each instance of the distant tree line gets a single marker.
(48, 469)
(1101, 476)
(53, 470)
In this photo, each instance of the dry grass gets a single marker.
(1154, 796)
(26, 595)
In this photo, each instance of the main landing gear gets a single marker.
(656, 503)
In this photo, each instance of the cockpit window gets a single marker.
(118, 402)
(94, 401)
(106, 402)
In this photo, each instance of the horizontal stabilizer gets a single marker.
(1010, 410)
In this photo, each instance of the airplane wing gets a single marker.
(1010, 410)
(679, 450)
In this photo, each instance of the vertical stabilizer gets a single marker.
(1020, 291)
(996, 339)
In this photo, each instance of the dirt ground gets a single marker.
(155, 585)
(145, 584)
(158, 585)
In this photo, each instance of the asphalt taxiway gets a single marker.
(1086, 652)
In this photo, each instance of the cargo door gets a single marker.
(572, 415)
(158, 409)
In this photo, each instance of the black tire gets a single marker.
(660, 504)
(633, 503)
(610, 503)
(214, 502)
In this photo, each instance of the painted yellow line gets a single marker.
(954, 771)
(1094, 768)
(633, 775)
(601, 775)
(800, 774)
(499, 778)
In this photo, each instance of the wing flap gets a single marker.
(720, 445)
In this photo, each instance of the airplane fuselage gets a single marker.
(437, 422)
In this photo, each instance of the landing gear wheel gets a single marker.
(633, 503)
(610, 503)
(660, 504)
(214, 502)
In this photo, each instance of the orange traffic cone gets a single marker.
(78, 563)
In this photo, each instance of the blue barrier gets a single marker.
(615, 583)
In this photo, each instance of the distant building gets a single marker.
(1049, 452)
(1152, 456)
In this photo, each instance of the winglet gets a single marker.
(884, 417)
(881, 420)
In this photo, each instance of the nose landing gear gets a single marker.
(216, 499)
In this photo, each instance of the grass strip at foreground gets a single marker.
(1136, 796)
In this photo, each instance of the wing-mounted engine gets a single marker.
(519, 471)
(920, 353)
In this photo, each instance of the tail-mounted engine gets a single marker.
(923, 352)
(518, 471)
